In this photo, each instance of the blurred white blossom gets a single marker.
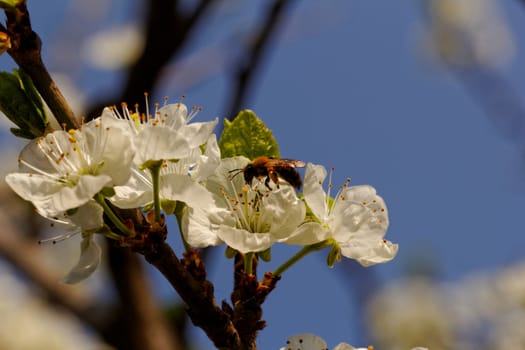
(114, 48)
(28, 323)
(408, 314)
(453, 315)
(308, 341)
(469, 32)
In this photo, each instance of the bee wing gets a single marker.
(293, 162)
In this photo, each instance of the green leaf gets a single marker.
(32, 94)
(21, 133)
(20, 102)
(248, 136)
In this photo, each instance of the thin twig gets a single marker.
(250, 64)
(165, 20)
(167, 30)
(26, 51)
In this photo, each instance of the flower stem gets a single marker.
(248, 263)
(299, 255)
(99, 198)
(154, 169)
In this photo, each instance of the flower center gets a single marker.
(69, 155)
(247, 208)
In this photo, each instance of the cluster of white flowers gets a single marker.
(69, 175)
(153, 162)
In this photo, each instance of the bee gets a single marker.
(272, 168)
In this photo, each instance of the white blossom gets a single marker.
(165, 135)
(64, 170)
(246, 218)
(355, 220)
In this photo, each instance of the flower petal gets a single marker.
(284, 210)
(346, 346)
(51, 196)
(183, 188)
(314, 194)
(230, 183)
(369, 252)
(209, 161)
(158, 143)
(244, 241)
(88, 262)
(117, 150)
(200, 227)
(137, 192)
(174, 114)
(306, 234)
(198, 133)
(89, 216)
(359, 213)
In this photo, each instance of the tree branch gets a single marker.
(197, 293)
(26, 51)
(250, 64)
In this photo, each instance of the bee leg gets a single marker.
(273, 176)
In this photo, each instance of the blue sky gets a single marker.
(347, 85)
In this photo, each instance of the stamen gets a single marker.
(60, 238)
(55, 156)
(38, 171)
(194, 111)
(329, 186)
(146, 98)
(142, 176)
